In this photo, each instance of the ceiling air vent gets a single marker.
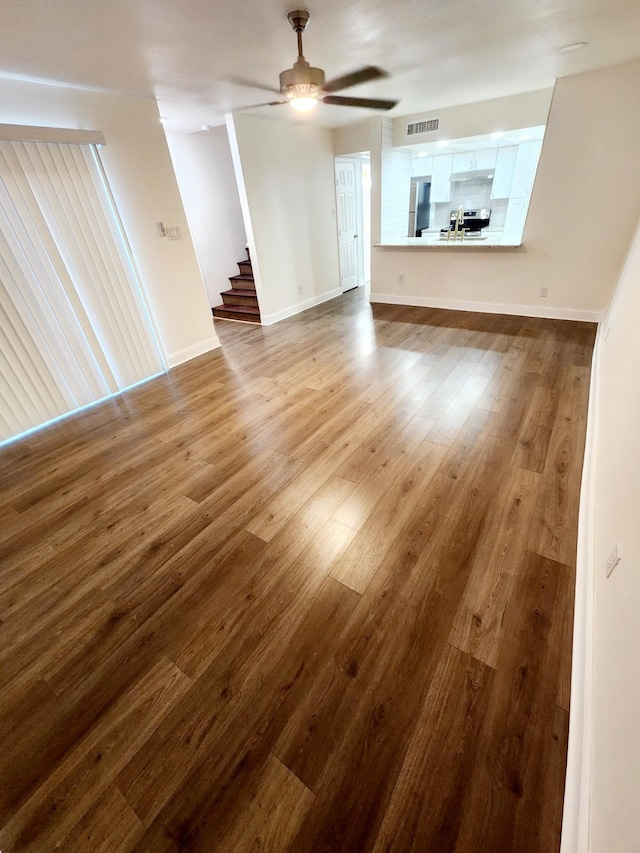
(423, 126)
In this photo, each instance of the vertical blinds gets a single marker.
(74, 326)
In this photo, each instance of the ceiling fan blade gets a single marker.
(251, 84)
(362, 75)
(263, 104)
(372, 103)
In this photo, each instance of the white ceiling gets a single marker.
(186, 53)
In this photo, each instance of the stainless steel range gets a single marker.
(471, 222)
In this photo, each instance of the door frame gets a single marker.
(359, 254)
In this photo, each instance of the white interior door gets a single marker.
(346, 205)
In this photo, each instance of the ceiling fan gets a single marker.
(303, 86)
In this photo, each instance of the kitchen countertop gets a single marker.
(493, 240)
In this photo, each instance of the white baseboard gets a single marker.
(186, 354)
(549, 312)
(577, 792)
(299, 307)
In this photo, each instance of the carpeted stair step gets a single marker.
(247, 313)
(242, 282)
(239, 297)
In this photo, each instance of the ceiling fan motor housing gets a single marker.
(302, 80)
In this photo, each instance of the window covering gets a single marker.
(74, 324)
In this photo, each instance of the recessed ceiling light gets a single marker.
(568, 48)
(206, 127)
(498, 135)
(443, 143)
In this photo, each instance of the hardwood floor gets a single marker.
(310, 592)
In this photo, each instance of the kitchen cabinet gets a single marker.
(525, 169)
(515, 220)
(471, 161)
(524, 174)
(463, 162)
(486, 159)
(421, 166)
(503, 175)
(440, 178)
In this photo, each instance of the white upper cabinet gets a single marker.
(471, 161)
(463, 162)
(503, 175)
(486, 159)
(525, 169)
(441, 178)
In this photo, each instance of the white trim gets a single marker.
(25, 133)
(577, 795)
(186, 354)
(550, 313)
(356, 160)
(299, 307)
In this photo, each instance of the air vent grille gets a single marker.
(423, 126)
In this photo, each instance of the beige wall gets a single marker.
(354, 138)
(529, 109)
(615, 771)
(287, 181)
(139, 169)
(207, 182)
(366, 135)
(588, 163)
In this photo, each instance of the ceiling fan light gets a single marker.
(303, 105)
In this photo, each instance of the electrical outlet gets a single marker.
(162, 231)
(401, 278)
(544, 291)
(613, 560)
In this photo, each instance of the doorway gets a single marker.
(353, 183)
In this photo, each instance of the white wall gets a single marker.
(615, 770)
(139, 169)
(204, 168)
(395, 184)
(588, 163)
(287, 181)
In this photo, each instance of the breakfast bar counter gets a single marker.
(433, 241)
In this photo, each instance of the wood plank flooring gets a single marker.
(310, 592)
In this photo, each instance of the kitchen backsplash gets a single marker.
(471, 194)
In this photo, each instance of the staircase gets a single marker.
(240, 302)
